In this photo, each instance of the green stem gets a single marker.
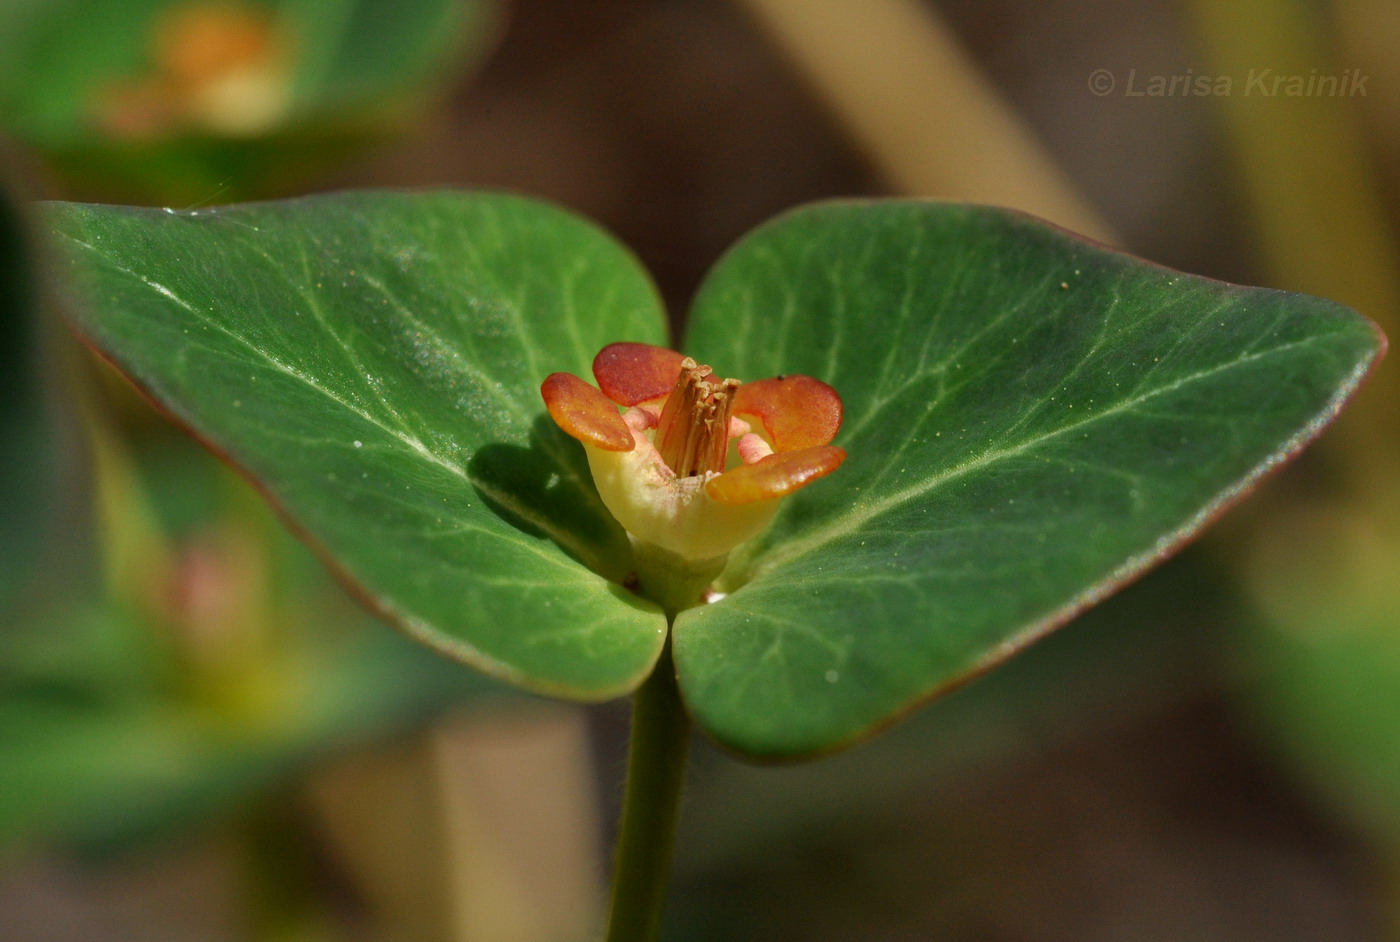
(673, 581)
(655, 768)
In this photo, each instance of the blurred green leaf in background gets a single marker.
(26, 460)
(183, 101)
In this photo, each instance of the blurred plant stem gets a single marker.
(132, 547)
(483, 827)
(656, 758)
(1369, 31)
(516, 799)
(1319, 217)
(916, 103)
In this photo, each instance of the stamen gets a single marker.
(692, 434)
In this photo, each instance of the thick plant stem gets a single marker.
(650, 806)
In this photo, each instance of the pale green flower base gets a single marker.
(673, 581)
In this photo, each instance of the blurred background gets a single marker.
(201, 738)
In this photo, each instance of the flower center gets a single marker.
(692, 434)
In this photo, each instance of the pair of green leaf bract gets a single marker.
(1031, 420)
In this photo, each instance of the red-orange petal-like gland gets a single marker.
(585, 413)
(629, 373)
(796, 411)
(776, 475)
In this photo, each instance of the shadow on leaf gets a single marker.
(549, 480)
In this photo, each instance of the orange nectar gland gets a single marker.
(660, 467)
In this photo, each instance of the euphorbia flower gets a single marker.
(664, 466)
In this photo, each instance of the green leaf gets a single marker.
(373, 362)
(1031, 420)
